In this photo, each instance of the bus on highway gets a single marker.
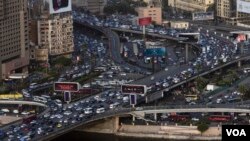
(191, 97)
(177, 118)
(11, 96)
(219, 118)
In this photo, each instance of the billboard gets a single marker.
(198, 16)
(189, 37)
(155, 52)
(144, 21)
(239, 37)
(59, 6)
(243, 6)
(66, 86)
(133, 89)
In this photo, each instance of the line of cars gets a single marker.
(62, 116)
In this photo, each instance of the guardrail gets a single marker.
(22, 102)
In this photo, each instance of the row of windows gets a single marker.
(5, 53)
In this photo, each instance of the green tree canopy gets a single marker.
(62, 61)
(202, 127)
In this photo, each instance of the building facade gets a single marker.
(154, 12)
(94, 6)
(226, 11)
(191, 5)
(51, 34)
(14, 40)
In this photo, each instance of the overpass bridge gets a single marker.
(141, 111)
(159, 94)
(33, 103)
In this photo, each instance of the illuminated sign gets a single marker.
(133, 89)
(66, 86)
(59, 6)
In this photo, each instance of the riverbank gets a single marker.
(163, 132)
(169, 132)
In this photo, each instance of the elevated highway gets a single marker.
(146, 110)
(159, 94)
(9, 102)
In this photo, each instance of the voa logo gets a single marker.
(236, 132)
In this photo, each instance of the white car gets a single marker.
(67, 113)
(15, 111)
(5, 110)
(25, 113)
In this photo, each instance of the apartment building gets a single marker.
(226, 11)
(150, 11)
(14, 40)
(191, 5)
(94, 6)
(51, 33)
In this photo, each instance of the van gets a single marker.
(114, 105)
(88, 111)
(125, 99)
(58, 102)
(100, 110)
(33, 85)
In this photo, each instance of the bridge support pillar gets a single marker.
(241, 48)
(186, 52)
(133, 118)
(155, 116)
(239, 64)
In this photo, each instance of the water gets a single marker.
(83, 136)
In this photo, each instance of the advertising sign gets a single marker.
(59, 6)
(203, 16)
(190, 37)
(133, 89)
(145, 21)
(66, 86)
(239, 36)
(243, 6)
(155, 52)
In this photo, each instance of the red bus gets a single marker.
(28, 119)
(178, 117)
(219, 118)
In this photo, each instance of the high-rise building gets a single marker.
(226, 11)
(150, 11)
(14, 40)
(52, 30)
(94, 6)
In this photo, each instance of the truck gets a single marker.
(135, 49)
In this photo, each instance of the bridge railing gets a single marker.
(235, 106)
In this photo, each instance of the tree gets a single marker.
(202, 127)
(242, 89)
(201, 83)
(63, 61)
